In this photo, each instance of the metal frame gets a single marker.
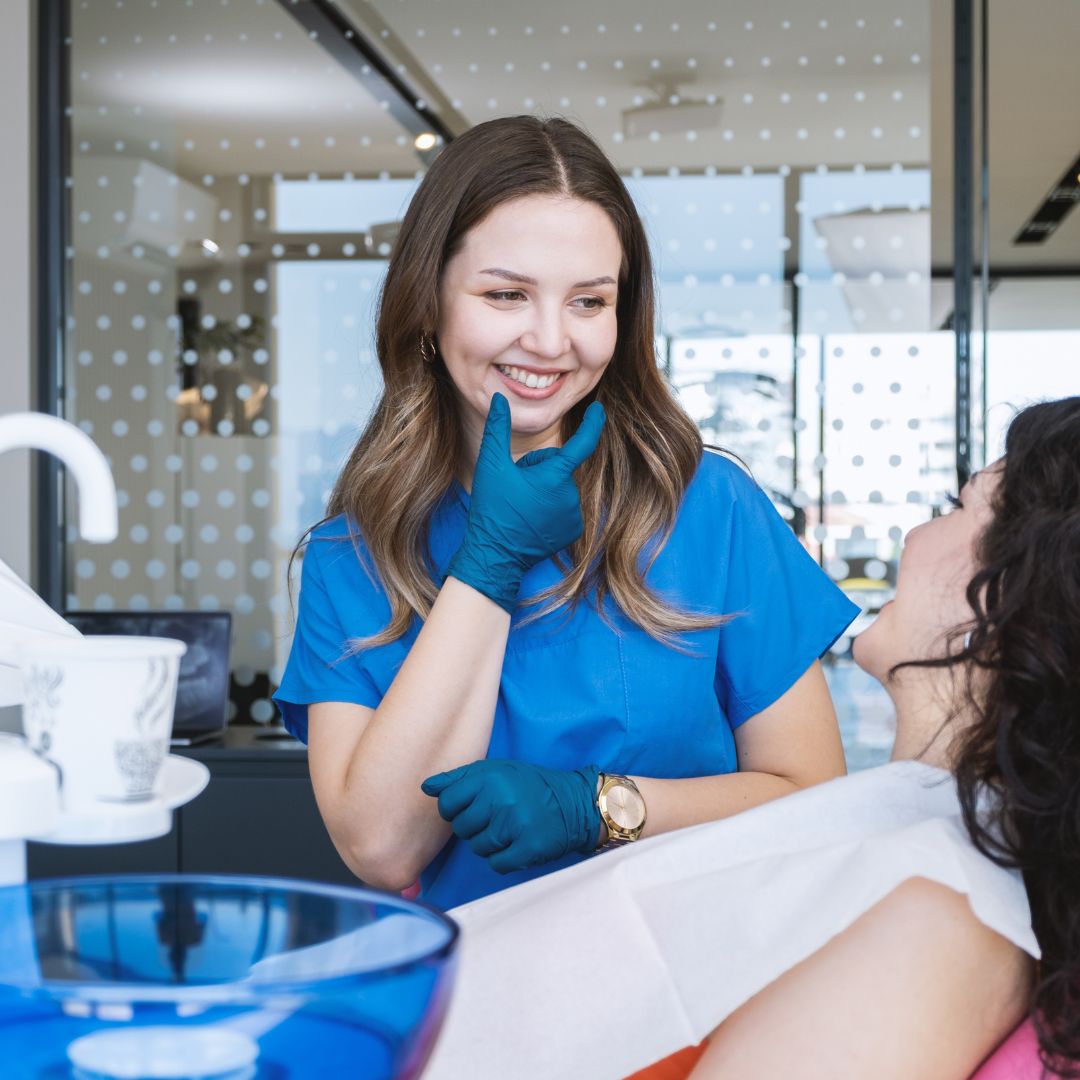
(327, 24)
(963, 225)
(52, 231)
(984, 213)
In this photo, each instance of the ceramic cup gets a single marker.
(101, 710)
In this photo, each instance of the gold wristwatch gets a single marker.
(622, 809)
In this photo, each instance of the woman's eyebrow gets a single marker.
(511, 275)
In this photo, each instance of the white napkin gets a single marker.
(23, 614)
(603, 968)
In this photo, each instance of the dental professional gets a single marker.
(539, 618)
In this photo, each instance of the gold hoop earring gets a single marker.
(424, 349)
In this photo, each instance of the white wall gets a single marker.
(16, 271)
(16, 276)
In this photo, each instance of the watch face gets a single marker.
(625, 806)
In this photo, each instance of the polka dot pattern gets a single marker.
(225, 264)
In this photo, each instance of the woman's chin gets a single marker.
(865, 653)
(875, 649)
(857, 651)
(531, 422)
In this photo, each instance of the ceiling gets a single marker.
(223, 87)
(1034, 131)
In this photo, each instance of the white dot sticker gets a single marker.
(262, 711)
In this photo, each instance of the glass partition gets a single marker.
(236, 186)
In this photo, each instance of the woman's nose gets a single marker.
(546, 337)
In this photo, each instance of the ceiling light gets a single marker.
(1060, 200)
(671, 114)
(210, 247)
(424, 141)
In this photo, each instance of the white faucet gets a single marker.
(21, 610)
(29, 802)
(97, 491)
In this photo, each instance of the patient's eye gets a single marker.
(954, 502)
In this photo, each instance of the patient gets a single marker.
(874, 926)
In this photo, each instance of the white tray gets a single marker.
(180, 780)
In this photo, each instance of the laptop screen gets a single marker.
(203, 688)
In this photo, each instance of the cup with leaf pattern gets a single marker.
(101, 710)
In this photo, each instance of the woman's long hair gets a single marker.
(407, 457)
(1024, 692)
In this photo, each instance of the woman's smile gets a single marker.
(529, 383)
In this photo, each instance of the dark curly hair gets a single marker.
(1023, 685)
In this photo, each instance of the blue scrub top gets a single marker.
(575, 691)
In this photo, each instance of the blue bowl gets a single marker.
(218, 978)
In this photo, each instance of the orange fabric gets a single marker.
(676, 1067)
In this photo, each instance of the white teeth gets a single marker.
(528, 378)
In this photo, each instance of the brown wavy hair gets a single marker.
(1023, 689)
(406, 460)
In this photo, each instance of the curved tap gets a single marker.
(87, 464)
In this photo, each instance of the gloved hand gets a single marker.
(521, 512)
(515, 814)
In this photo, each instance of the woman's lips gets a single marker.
(533, 393)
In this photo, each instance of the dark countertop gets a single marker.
(248, 742)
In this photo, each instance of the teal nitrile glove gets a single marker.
(521, 512)
(515, 814)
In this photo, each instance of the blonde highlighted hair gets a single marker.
(406, 460)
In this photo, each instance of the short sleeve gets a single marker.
(337, 601)
(787, 612)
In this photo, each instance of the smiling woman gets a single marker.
(545, 342)
(536, 600)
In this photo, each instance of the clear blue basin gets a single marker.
(229, 978)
